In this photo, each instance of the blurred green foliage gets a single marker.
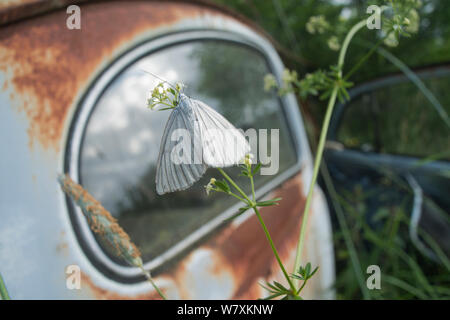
(310, 32)
(398, 119)
(382, 239)
(287, 25)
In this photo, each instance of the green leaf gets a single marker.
(296, 276)
(325, 95)
(244, 171)
(3, 291)
(233, 217)
(268, 202)
(265, 204)
(241, 211)
(256, 169)
(271, 288)
(222, 185)
(280, 286)
(244, 174)
(273, 296)
(307, 268)
(314, 271)
(166, 108)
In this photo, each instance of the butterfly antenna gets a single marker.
(157, 77)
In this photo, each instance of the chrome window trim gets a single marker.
(79, 123)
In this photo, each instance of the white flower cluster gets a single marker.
(317, 24)
(210, 186)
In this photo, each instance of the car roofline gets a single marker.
(25, 9)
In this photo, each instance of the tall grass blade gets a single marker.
(3, 291)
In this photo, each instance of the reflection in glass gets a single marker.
(122, 139)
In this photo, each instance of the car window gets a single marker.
(122, 137)
(398, 119)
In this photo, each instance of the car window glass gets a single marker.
(398, 119)
(122, 137)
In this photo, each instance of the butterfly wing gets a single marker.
(178, 175)
(222, 144)
(212, 140)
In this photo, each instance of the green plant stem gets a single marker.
(3, 291)
(364, 59)
(275, 252)
(237, 197)
(261, 221)
(303, 285)
(356, 264)
(320, 148)
(380, 242)
(417, 81)
(317, 161)
(253, 188)
(356, 28)
(404, 286)
(235, 186)
(149, 278)
(347, 40)
(170, 106)
(437, 250)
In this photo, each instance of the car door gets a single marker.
(75, 102)
(392, 128)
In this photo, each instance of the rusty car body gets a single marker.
(51, 80)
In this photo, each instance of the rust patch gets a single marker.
(63, 249)
(257, 260)
(103, 294)
(5, 4)
(241, 251)
(246, 250)
(47, 65)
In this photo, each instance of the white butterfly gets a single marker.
(215, 142)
